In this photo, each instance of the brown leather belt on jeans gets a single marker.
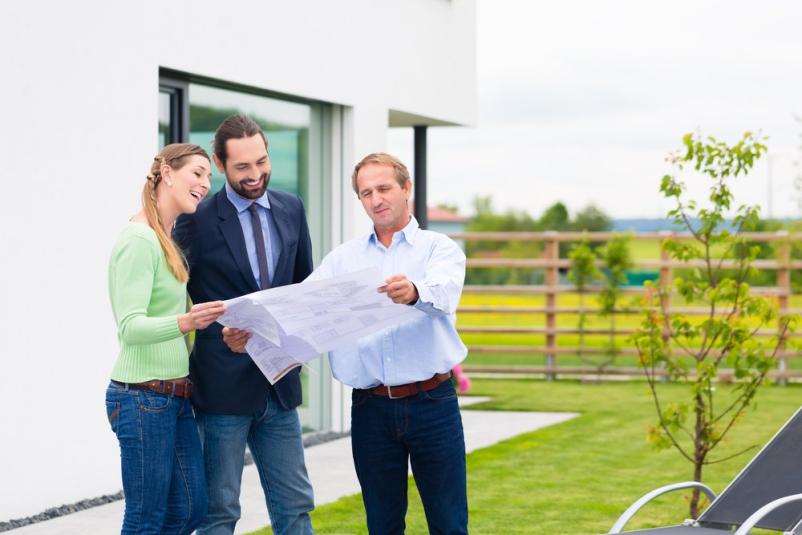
(403, 391)
(181, 388)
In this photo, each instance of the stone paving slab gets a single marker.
(330, 468)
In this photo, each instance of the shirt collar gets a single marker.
(241, 203)
(409, 232)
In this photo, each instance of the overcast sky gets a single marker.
(580, 101)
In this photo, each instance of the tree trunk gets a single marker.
(613, 348)
(581, 324)
(697, 476)
(699, 453)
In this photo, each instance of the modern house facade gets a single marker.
(92, 90)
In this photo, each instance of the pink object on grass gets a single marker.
(463, 381)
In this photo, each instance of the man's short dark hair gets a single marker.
(234, 127)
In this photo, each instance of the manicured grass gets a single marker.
(578, 476)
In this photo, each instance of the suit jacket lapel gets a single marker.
(232, 233)
(284, 229)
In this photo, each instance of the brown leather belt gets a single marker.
(181, 388)
(403, 391)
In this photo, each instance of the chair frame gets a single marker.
(744, 528)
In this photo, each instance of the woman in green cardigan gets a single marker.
(147, 402)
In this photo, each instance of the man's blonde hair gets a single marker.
(381, 158)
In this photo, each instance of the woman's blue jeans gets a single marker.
(161, 458)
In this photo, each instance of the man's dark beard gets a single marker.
(250, 194)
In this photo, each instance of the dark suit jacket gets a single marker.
(212, 240)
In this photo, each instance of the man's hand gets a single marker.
(235, 339)
(400, 289)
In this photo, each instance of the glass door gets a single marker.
(299, 144)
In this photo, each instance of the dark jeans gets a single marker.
(425, 431)
(161, 459)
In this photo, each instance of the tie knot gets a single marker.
(252, 208)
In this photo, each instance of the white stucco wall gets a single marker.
(79, 97)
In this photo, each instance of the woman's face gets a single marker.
(186, 187)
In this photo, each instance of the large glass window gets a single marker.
(299, 145)
(286, 125)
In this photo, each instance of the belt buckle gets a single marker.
(390, 393)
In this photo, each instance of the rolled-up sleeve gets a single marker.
(440, 289)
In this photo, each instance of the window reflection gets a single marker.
(294, 155)
(286, 125)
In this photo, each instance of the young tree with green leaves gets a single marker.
(617, 259)
(583, 272)
(691, 350)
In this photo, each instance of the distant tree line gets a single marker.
(555, 217)
(591, 218)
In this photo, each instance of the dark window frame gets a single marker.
(181, 80)
(178, 90)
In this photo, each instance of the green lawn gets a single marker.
(578, 476)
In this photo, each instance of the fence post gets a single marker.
(552, 255)
(784, 287)
(666, 280)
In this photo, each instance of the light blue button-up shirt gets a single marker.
(416, 350)
(272, 240)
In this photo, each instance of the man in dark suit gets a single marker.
(243, 239)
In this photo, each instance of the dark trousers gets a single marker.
(424, 431)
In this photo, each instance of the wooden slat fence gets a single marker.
(551, 263)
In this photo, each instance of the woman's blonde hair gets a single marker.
(176, 156)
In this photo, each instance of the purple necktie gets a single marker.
(261, 253)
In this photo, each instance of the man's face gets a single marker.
(247, 167)
(384, 200)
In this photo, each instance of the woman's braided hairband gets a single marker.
(155, 178)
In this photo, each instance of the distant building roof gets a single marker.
(443, 215)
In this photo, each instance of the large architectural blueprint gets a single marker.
(294, 324)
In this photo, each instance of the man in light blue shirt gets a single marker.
(423, 269)
(404, 406)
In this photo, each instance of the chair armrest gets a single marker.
(649, 496)
(758, 515)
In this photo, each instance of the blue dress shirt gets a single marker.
(272, 240)
(416, 350)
